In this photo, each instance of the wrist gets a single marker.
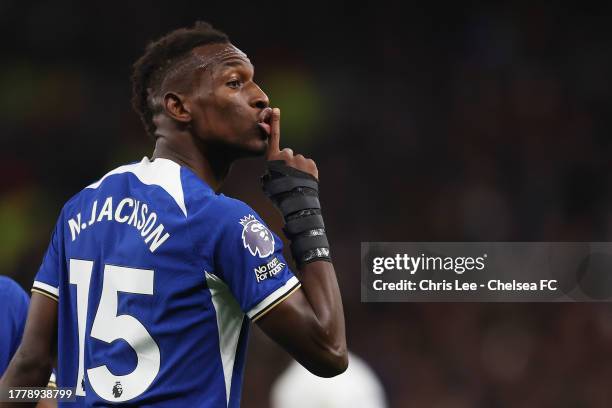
(296, 195)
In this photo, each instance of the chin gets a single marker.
(254, 148)
(259, 148)
(258, 145)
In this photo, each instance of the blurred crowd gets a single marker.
(481, 123)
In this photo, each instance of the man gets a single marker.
(13, 313)
(152, 278)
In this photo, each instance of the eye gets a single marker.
(236, 83)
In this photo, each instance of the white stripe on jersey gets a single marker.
(229, 323)
(288, 287)
(47, 288)
(161, 172)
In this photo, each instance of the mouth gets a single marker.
(265, 118)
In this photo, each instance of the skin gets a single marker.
(207, 128)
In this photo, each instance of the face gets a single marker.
(226, 106)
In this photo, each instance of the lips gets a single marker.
(266, 128)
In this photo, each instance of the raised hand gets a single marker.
(274, 152)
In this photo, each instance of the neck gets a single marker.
(208, 163)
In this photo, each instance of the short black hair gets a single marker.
(150, 70)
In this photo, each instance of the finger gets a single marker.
(311, 164)
(274, 141)
(313, 168)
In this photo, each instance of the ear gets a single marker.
(177, 107)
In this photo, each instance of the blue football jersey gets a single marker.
(157, 279)
(13, 314)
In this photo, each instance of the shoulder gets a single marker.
(12, 293)
(232, 213)
(9, 287)
(231, 206)
(133, 167)
(237, 222)
(162, 176)
(217, 206)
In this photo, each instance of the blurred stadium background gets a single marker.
(475, 123)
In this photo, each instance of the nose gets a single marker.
(260, 99)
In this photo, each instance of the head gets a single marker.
(193, 83)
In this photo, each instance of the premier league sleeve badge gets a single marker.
(256, 237)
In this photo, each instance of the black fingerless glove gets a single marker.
(296, 194)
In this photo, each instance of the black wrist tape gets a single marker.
(296, 195)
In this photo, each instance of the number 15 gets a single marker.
(108, 327)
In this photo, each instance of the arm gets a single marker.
(47, 404)
(31, 364)
(309, 324)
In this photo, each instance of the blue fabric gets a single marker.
(219, 236)
(13, 314)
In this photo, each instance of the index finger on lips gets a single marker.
(274, 142)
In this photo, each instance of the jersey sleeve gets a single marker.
(46, 281)
(248, 258)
